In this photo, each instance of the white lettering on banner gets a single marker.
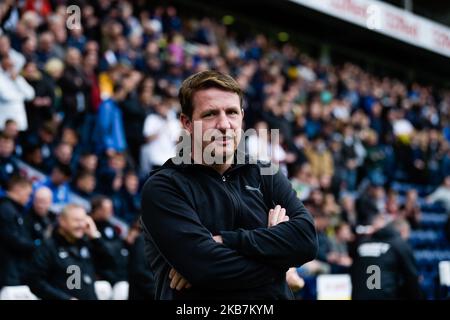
(388, 20)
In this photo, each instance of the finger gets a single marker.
(171, 273)
(181, 284)
(276, 212)
(269, 220)
(188, 285)
(286, 219)
(281, 215)
(176, 278)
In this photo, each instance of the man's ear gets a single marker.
(186, 122)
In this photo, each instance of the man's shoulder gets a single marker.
(161, 176)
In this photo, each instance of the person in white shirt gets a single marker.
(161, 131)
(5, 49)
(14, 90)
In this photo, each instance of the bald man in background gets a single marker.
(39, 220)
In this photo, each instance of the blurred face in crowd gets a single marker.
(7, 64)
(46, 42)
(42, 201)
(131, 183)
(86, 183)
(105, 211)
(34, 156)
(344, 233)
(58, 177)
(21, 193)
(4, 45)
(64, 153)
(6, 147)
(220, 111)
(117, 161)
(73, 57)
(73, 222)
(70, 137)
(447, 182)
(89, 162)
(11, 129)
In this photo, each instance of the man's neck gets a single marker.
(221, 168)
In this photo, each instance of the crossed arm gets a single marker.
(245, 258)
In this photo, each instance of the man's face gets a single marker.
(58, 177)
(74, 222)
(64, 153)
(11, 129)
(23, 193)
(218, 112)
(6, 147)
(42, 202)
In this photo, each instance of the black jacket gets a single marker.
(118, 269)
(183, 206)
(37, 227)
(51, 268)
(16, 247)
(395, 259)
(141, 277)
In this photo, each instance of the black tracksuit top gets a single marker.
(183, 206)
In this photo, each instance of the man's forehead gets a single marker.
(215, 94)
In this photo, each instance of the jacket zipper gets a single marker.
(234, 200)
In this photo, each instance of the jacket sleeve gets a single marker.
(103, 255)
(9, 235)
(188, 246)
(287, 244)
(39, 272)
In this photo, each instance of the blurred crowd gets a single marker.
(93, 107)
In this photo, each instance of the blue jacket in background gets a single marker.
(109, 130)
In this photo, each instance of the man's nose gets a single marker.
(223, 122)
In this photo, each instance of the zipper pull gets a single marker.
(224, 179)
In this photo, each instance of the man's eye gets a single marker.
(207, 115)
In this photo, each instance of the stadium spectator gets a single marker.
(161, 131)
(102, 211)
(18, 60)
(84, 184)
(40, 109)
(441, 194)
(14, 91)
(75, 242)
(39, 219)
(8, 163)
(15, 246)
(109, 134)
(397, 276)
(58, 183)
(127, 203)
